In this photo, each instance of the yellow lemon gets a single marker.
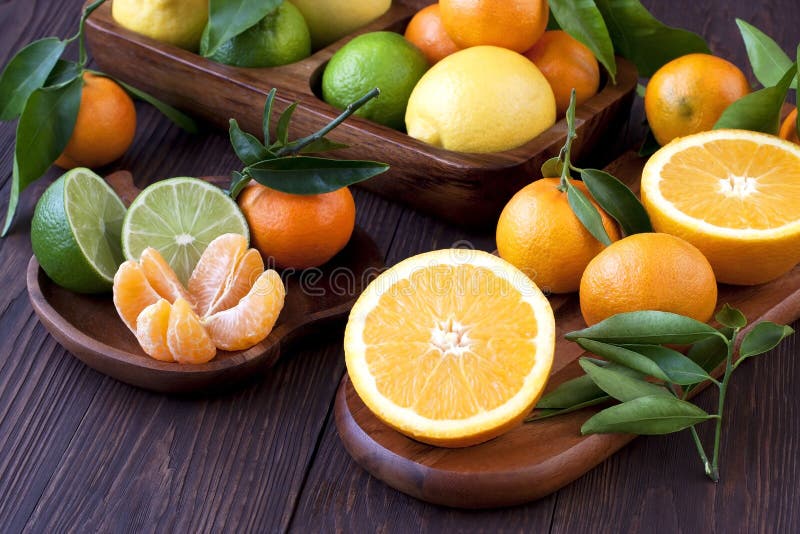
(330, 20)
(481, 99)
(177, 22)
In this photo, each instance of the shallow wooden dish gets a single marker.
(468, 189)
(88, 325)
(534, 459)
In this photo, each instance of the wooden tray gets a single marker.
(534, 459)
(88, 325)
(468, 189)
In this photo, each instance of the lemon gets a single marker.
(481, 99)
(385, 60)
(177, 22)
(330, 20)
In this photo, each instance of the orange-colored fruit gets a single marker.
(217, 263)
(426, 32)
(450, 347)
(161, 277)
(789, 128)
(689, 94)
(187, 339)
(566, 63)
(132, 293)
(151, 330)
(512, 24)
(239, 282)
(252, 319)
(298, 231)
(540, 235)
(105, 126)
(648, 272)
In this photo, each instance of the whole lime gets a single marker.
(280, 38)
(385, 60)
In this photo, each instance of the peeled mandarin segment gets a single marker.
(239, 282)
(252, 319)
(151, 330)
(216, 264)
(132, 293)
(161, 276)
(186, 338)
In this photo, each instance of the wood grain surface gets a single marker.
(80, 452)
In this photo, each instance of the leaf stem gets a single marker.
(566, 151)
(695, 436)
(82, 56)
(723, 389)
(295, 147)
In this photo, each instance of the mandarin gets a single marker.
(426, 32)
(513, 24)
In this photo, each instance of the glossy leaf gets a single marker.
(26, 72)
(764, 337)
(646, 328)
(248, 149)
(709, 353)
(305, 175)
(768, 60)
(229, 18)
(179, 118)
(731, 317)
(43, 131)
(620, 386)
(623, 356)
(646, 416)
(570, 393)
(618, 201)
(583, 21)
(679, 368)
(587, 213)
(238, 182)
(283, 125)
(548, 413)
(759, 111)
(266, 118)
(323, 144)
(552, 168)
(63, 72)
(641, 38)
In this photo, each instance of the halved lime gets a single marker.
(75, 232)
(179, 217)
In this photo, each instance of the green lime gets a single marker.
(179, 217)
(75, 232)
(379, 59)
(280, 38)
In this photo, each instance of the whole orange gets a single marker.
(426, 31)
(513, 24)
(566, 63)
(105, 126)
(789, 128)
(540, 235)
(648, 272)
(298, 231)
(689, 94)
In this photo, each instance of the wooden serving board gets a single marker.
(534, 459)
(468, 189)
(89, 327)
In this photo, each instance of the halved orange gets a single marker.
(734, 195)
(450, 347)
(132, 293)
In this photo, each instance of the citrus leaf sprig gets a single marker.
(651, 380)
(280, 165)
(44, 92)
(229, 18)
(614, 197)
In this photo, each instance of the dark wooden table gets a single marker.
(82, 452)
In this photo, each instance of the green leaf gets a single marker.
(63, 72)
(623, 356)
(587, 213)
(641, 38)
(646, 416)
(679, 368)
(248, 149)
(709, 353)
(323, 144)
(266, 118)
(238, 182)
(283, 126)
(620, 386)
(618, 201)
(43, 131)
(731, 317)
(641, 90)
(570, 393)
(759, 111)
(649, 145)
(13, 198)
(305, 175)
(229, 18)
(646, 328)
(767, 59)
(26, 72)
(179, 118)
(548, 413)
(764, 337)
(552, 168)
(583, 21)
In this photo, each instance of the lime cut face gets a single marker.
(179, 217)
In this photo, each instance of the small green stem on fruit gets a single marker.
(566, 152)
(723, 389)
(295, 147)
(695, 436)
(82, 56)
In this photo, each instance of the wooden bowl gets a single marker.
(467, 189)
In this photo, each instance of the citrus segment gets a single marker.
(251, 320)
(132, 293)
(187, 340)
(450, 347)
(217, 263)
(733, 194)
(151, 330)
(239, 282)
(161, 276)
